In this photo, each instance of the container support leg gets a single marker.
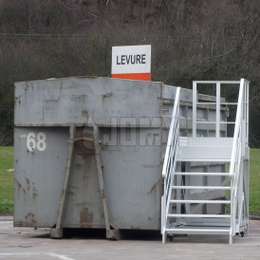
(111, 231)
(57, 232)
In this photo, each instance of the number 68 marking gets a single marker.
(36, 142)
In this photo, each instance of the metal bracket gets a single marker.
(57, 232)
(111, 231)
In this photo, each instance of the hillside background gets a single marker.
(191, 39)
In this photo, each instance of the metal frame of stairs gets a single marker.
(185, 205)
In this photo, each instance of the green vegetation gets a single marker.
(6, 181)
(255, 182)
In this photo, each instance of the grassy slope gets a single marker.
(255, 182)
(6, 181)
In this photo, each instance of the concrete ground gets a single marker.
(28, 244)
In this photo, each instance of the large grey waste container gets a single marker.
(132, 117)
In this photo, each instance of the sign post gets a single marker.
(131, 62)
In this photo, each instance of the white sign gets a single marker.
(133, 59)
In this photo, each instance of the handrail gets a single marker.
(237, 126)
(238, 151)
(170, 135)
(170, 159)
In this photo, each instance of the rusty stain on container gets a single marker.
(28, 185)
(30, 219)
(86, 218)
(84, 145)
(19, 186)
(155, 186)
(34, 192)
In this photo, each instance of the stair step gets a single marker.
(201, 187)
(205, 149)
(203, 159)
(206, 141)
(201, 201)
(198, 216)
(203, 173)
(190, 230)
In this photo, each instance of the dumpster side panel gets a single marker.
(39, 176)
(133, 179)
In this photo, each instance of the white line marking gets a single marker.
(19, 254)
(57, 256)
(62, 257)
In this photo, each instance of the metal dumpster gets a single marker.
(132, 118)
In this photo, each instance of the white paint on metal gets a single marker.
(31, 142)
(238, 160)
(36, 141)
(169, 163)
(214, 81)
(218, 109)
(41, 142)
(216, 149)
(203, 173)
(202, 201)
(201, 187)
(197, 230)
(198, 216)
(175, 116)
(194, 110)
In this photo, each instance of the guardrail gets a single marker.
(238, 156)
(170, 160)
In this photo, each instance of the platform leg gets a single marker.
(164, 237)
(230, 239)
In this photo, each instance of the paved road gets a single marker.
(27, 244)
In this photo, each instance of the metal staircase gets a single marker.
(213, 200)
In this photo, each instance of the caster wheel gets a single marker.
(171, 238)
